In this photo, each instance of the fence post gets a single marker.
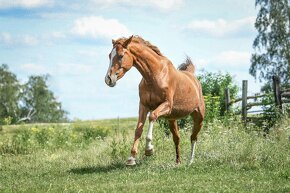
(227, 99)
(244, 100)
(277, 91)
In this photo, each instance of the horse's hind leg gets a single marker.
(175, 134)
(197, 117)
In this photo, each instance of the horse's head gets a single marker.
(121, 60)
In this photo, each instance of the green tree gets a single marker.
(213, 87)
(9, 95)
(40, 105)
(272, 47)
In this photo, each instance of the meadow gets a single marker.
(90, 157)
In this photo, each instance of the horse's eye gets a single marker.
(121, 56)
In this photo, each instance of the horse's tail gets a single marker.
(187, 66)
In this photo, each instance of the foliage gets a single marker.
(214, 85)
(272, 46)
(228, 159)
(28, 140)
(213, 107)
(39, 99)
(32, 101)
(271, 113)
(7, 120)
(9, 94)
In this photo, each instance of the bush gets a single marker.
(214, 85)
(27, 140)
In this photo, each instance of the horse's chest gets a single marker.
(152, 99)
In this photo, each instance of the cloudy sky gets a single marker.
(71, 40)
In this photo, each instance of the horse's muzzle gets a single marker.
(110, 81)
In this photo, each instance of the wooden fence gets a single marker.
(281, 96)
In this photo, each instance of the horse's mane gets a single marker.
(141, 40)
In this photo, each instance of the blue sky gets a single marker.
(71, 40)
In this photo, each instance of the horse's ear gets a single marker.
(113, 41)
(127, 42)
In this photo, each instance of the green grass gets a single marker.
(229, 158)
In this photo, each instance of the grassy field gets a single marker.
(90, 157)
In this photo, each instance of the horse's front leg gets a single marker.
(162, 109)
(143, 111)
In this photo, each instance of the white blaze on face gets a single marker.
(108, 77)
(113, 54)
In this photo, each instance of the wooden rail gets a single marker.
(280, 96)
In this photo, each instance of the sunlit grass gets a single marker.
(229, 158)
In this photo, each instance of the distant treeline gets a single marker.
(28, 102)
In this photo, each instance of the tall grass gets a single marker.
(28, 140)
(91, 158)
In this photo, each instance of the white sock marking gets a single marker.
(192, 151)
(149, 136)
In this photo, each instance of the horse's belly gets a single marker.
(180, 110)
(184, 104)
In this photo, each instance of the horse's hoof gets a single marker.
(131, 161)
(149, 152)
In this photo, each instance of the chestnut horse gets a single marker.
(164, 91)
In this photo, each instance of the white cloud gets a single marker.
(98, 27)
(34, 68)
(28, 40)
(57, 35)
(73, 69)
(233, 58)
(165, 5)
(54, 15)
(89, 53)
(227, 60)
(58, 69)
(24, 40)
(6, 38)
(221, 27)
(25, 3)
(234, 62)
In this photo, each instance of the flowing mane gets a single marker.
(141, 40)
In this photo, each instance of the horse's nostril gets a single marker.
(109, 78)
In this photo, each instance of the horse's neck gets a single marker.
(148, 63)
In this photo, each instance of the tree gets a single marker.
(40, 105)
(214, 85)
(272, 44)
(9, 95)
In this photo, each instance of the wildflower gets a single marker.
(51, 130)
(35, 130)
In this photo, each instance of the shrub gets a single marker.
(27, 140)
(214, 85)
